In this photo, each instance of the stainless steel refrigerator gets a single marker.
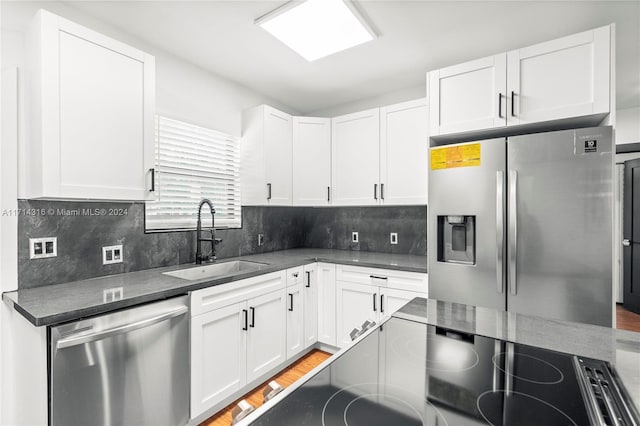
(525, 224)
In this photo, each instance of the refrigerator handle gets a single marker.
(513, 230)
(500, 230)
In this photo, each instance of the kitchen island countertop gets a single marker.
(619, 347)
(59, 303)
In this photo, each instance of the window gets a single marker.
(193, 163)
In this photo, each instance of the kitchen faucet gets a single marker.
(214, 241)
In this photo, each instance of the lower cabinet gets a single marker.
(238, 335)
(326, 278)
(295, 320)
(243, 331)
(372, 294)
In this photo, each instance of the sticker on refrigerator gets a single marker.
(450, 157)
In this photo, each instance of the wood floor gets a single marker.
(627, 320)
(285, 378)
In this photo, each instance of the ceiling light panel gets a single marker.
(316, 28)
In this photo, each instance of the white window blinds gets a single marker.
(193, 163)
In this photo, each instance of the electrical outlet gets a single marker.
(40, 248)
(260, 240)
(112, 294)
(112, 254)
(354, 237)
(393, 237)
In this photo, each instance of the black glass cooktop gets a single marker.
(409, 373)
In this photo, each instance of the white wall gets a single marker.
(628, 125)
(390, 98)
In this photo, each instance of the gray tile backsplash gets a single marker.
(81, 236)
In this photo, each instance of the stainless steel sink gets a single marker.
(217, 270)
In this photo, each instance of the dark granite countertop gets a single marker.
(71, 301)
(619, 347)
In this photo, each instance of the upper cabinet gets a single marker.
(311, 161)
(468, 96)
(568, 77)
(373, 157)
(561, 79)
(355, 158)
(266, 157)
(91, 104)
(404, 150)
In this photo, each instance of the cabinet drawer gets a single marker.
(222, 295)
(295, 275)
(402, 280)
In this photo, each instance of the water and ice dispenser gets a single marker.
(456, 239)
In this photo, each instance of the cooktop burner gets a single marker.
(409, 373)
(531, 369)
(523, 410)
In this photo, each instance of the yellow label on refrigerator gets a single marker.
(449, 157)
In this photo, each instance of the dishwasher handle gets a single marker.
(121, 329)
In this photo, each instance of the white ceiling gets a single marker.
(414, 37)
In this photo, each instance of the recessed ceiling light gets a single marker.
(317, 28)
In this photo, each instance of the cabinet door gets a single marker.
(310, 304)
(391, 299)
(327, 303)
(356, 304)
(311, 161)
(266, 340)
(355, 158)
(277, 155)
(469, 96)
(218, 348)
(97, 115)
(404, 151)
(295, 320)
(562, 78)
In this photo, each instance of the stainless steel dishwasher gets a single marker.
(126, 368)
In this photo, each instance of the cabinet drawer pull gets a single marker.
(253, 317)
(308, 279)
(513, 98)
(500, 105)
(268, 191)
(328, 193)
(375, 295)
(375, 191)
(382, 303)
(378, 277)
(290, 302)
(382, 191)
(294, 275)
(246, 320)
(153, 180)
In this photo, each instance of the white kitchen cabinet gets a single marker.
(295, 320)
(91, 104)
(355, 158)
(310, 304)
(404, 151)
(372, 294)
(249, 318)
(266, 157)
(356, 304)
(563, 79)
(217, 372)
(311, 161)
(266, 337)
(326, 273)
(468, 96)
(567, 77)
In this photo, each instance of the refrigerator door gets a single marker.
(560, 223)
(466, 216)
